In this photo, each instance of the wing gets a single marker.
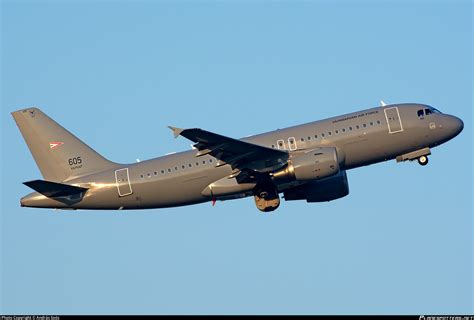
(236, 153)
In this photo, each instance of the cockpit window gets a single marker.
(427, 111)
(432, 110)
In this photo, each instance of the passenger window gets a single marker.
(364, 125)
(371, 123)
(148, 175)
(273, 146)
(142, 176)
(322, 135)
(350, 128)
(315, 136)
(162, 171)
(378, 121)
(357, 127)
(343, 129)
(337, 131)
(210, 160)
(169, 169)
(190, 165)
(309, 138)
(197, 163)
(175, 168)
(329, 133)
(302, 139)
(183, 166)
(155, 173)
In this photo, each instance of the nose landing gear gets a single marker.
(423, 160)
(421, 155)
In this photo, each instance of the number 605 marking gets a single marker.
(76, 160)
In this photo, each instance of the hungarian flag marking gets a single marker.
(53, 145)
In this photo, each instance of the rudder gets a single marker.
(57, 152)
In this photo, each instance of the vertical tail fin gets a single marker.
(57, 152)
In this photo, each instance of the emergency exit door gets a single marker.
(123, 182)
(394, 121)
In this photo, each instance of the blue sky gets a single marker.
(117, 73)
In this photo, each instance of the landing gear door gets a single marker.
(394, 121)
(123, 182)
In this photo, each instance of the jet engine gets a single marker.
(313, 165)
(327, 189)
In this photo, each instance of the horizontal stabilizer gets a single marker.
(53, 189)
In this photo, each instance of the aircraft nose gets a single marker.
(458, 125)
(455, 125)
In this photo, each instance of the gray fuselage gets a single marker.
(360, 138)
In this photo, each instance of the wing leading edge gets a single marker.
(236, 153)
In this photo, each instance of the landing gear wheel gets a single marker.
(423, 160)
(267, 199)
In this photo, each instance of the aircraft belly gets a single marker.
(362, 151)
(376, 147)
(371, 148)
(179, 190)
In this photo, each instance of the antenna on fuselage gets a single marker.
(382, 103)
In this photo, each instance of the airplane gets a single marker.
(303, 162)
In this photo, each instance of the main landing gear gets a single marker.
(423, 160)
(267, 198)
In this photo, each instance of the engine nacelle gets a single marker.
(312, 165)
(327, 189)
